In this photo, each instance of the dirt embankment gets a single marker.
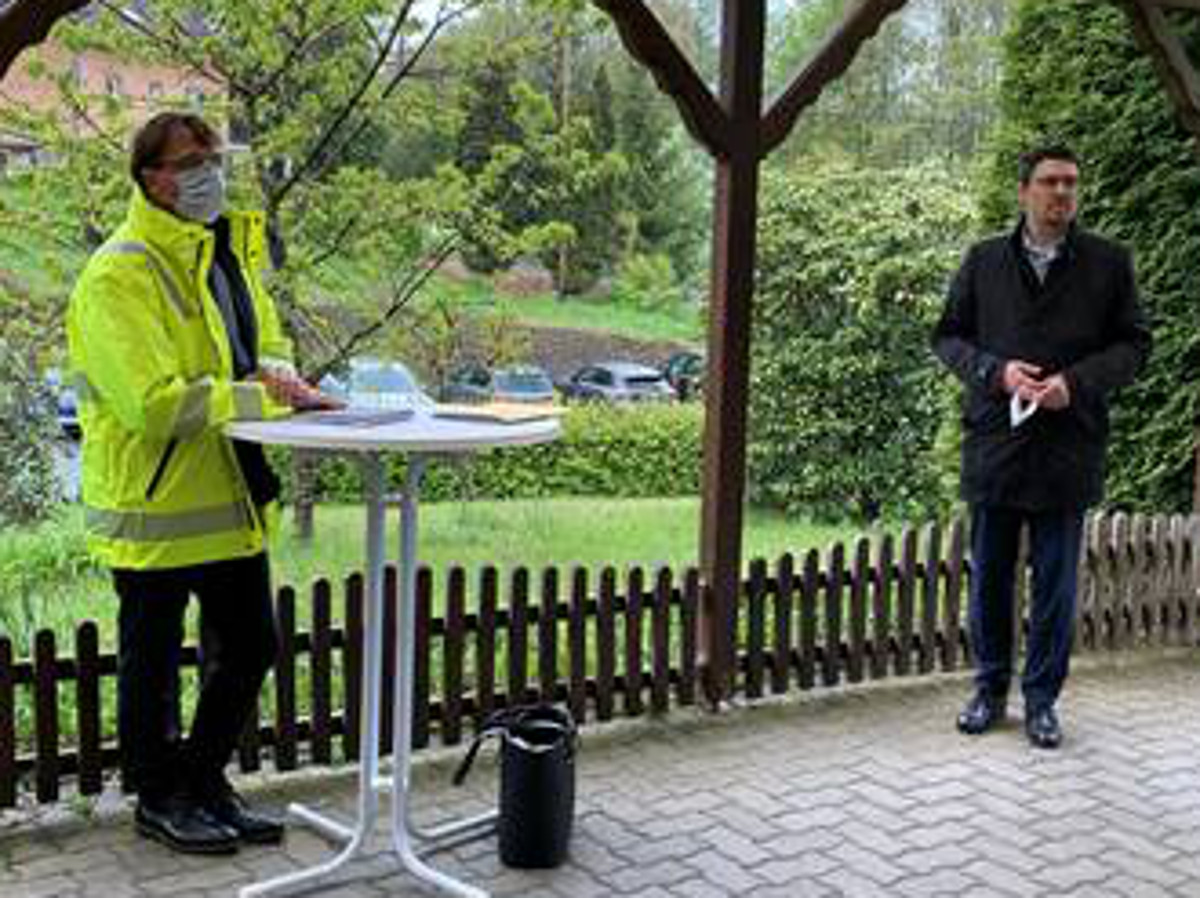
(562, 351)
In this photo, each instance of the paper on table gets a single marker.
(1020, 411)
(355, 417)
(498, 412)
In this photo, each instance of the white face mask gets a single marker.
(201, 193)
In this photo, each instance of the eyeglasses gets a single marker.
(189, 162)
(1068, 183)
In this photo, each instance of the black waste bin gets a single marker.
(537, 782)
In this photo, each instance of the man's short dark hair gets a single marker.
(152, 138)
(1034, 157)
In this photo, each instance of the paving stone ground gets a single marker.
(858, 792)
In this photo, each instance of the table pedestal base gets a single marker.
(403, 845)
(404, 832)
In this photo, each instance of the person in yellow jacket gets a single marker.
(172, 336)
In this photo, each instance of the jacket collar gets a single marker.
(175, 235)
(1017, 240)
(165, 230)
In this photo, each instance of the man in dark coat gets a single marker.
(1041, 326)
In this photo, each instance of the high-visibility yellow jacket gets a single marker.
(152, 365)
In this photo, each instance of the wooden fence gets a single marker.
(605, 644)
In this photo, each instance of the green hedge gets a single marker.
(846, 398)
(622, 452)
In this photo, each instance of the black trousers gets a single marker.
(238, 643)
(1055, 539)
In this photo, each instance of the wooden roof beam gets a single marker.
(28, 22)
(648, 42)
(860, 23)
(1175, 70)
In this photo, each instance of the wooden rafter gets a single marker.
(1175, 70)
(649, 43)
(28, 22)
(861, 22)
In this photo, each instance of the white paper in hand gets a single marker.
(1020, 411)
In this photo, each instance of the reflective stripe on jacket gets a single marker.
(151, 361)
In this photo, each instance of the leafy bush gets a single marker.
(647, 282)
(28, 429)
(1073, 73)
(625, 452)
(846, 398)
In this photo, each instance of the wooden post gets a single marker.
(26, 23)
(727, 390)
(1196, 479)
(738, 135)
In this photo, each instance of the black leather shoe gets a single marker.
(981, 713)
(185, 827)
(253, 827)
(1042, 728)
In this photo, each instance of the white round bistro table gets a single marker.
(419, 437)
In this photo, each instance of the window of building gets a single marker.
(114, 86)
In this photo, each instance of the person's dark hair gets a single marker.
(152, 138)
(1031, 159)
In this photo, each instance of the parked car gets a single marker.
(376, 384)
(618, 382)
(685, 372)
(522, 383)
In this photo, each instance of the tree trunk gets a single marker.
(564, 111)
(304, 466)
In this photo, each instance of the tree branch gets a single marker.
(78, 107)
(646, 39)
(406, 70)
(296, 53)
(335, 246)
(175, 40)
(825, 66)
(312, 163)
(27, 23)
(401, 296)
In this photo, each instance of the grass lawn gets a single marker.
(46, 582)
(683, 325)
(564, 532)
